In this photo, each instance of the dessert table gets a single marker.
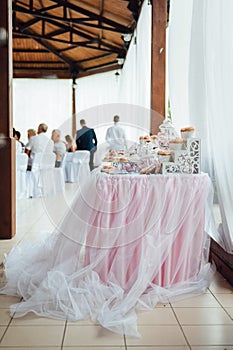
(153, 224)
(127, 242)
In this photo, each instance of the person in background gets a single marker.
(17, 137)
(18, 146)
(30, 132)
(86, 140)
(38, 143)
(70, 144)
(59, 147)
(115, 136)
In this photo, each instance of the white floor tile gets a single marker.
(93, 348)
(4, 317)
(202, 316)
(91, 336)
(174, 347)
(7, 300)
(157, 335)
(221, 286)
(158, 316)
(212, 347)
(33, 320)
(226, 300)
(204, 300)
(209, 335)
(229, 310)
(33, 336)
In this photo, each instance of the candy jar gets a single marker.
(168, 128)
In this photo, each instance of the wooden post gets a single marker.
(7, 143)
(74, 126)
(158, 63)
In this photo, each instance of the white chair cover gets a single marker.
(67, 165)
(76, 167)
(59, 176)
(41, 177)
(21, 171)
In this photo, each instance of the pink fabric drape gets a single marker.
(126, 243)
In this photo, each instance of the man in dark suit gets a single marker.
(86, 141)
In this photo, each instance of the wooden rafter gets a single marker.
(67, 28)
(110, 25)
(51, 49)
(81, 38)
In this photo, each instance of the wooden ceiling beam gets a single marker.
(95, 17)
(68, 48)
(102, 65)
(29, 23)
(23, 50)
(75, 31)
(57, 32)
(81, 21)
(42, 68)
(34, 20)
(43, 9)
(51, 48)
(38, 38)
(38, 62)
(94, 58)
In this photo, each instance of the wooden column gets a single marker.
(74, 126)
(158, 63)
(7, 143)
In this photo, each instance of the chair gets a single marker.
(21, 173)
(41, 177)
(59, 177)
(76, 167)
(67, 165)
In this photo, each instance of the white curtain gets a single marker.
(178, 60)
(207, 92)
(100, 97)
(42, 100)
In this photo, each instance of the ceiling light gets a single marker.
(127, 37)
(120, 61)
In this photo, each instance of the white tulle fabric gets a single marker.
(126, 243)
(21, 175)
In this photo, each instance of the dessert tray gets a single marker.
(163, 153)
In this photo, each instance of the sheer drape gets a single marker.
(218, 56)
(38, 101)
(201, 79)
(178, 60)
(115, 252)
(102, 96)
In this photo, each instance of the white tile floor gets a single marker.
(201, 323)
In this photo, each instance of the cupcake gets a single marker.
(154, 138)
(123, 160)
(176, 144)
(147, 139)
(141, 140)
(187, 132)
(164, 155)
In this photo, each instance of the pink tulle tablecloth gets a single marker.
(158, 218)
(126, 243)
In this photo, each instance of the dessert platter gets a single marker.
(166, 152)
